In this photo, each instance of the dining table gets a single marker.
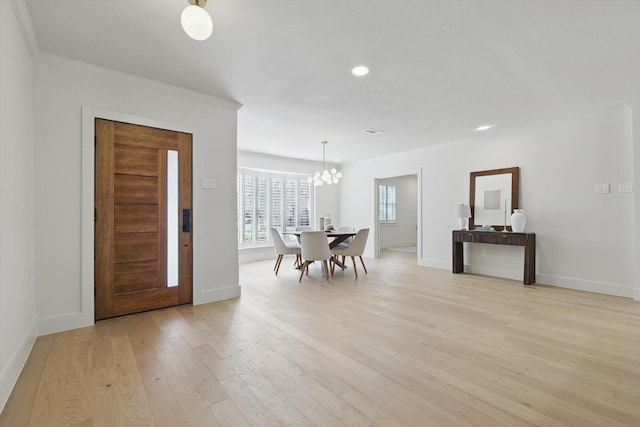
(337, 236)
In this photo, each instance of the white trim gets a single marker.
(215, 295)
(262, 253)
(392, 245)
(47, 58)
(89, 114)
(435, 263)
(376, 217)
(12, 370)
(614, 289)
(26, 26)
(585, 285)
(66, 322)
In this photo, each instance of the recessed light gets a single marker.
(484, 127)
(336, 160)
(360, 70)
(372, 131)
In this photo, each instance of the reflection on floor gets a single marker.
(411, 249)
(407, 252)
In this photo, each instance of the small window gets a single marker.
(387, 203)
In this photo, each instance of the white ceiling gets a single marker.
(438, 68)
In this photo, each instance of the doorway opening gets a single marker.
(397, 216)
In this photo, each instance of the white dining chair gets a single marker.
(283, 249)
(355, 249)
(301, 228)
(347, 241)
(315, 248)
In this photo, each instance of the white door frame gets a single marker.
(376, 221)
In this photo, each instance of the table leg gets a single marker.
(458, 258)
(530, 261)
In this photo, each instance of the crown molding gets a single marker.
(24, 20)
(50, 59)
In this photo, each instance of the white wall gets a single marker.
(584, 240)
(67, 96)
(403, 231)
(326, 197)
(17, 283)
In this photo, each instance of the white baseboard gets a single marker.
(434, 263)
(614, 289)
(64, 322)
(586, 285)
(10, 374)
(256, 254)
(220, 294)
(392, 245)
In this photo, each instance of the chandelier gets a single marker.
(326, 176)
(196, 22)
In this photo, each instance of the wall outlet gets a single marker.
(484, 252)
(602, 188)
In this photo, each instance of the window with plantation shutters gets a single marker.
(248, 208)
(387, 203)
(304, 191)
(262, 209)
(268, 200)
(277, 203)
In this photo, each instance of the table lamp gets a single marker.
(462, 213)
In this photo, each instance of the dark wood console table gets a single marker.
(528, 240)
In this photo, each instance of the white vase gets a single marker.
(518, 220)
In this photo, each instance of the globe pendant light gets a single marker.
(196, 22)
(326, 176)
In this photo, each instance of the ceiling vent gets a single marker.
(372, 131)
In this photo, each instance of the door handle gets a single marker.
(186, 220)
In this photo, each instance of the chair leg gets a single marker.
(333, 264)
(302, 268)
(326, 269)
(344, 258)
(363, 266)
(278, 261)
(355, 269)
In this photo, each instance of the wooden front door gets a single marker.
(143, 255)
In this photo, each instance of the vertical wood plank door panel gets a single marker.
(131, 235)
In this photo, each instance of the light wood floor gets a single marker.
(401, 346)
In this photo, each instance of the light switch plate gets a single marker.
(602, 188)
(625, 187)
(208, 183)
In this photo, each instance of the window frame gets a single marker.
(271, 176)
(387, 203)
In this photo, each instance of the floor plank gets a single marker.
(400, 346)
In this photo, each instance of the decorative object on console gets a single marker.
(518, 220)
(196, 22)
(462, 213)
(492, 194)
(325, 177)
